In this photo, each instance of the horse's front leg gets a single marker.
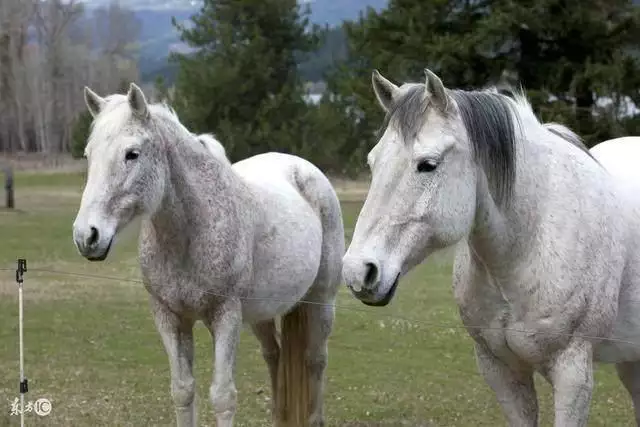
(177, 337)
(514, 388)
(225, 324)
(571, 374)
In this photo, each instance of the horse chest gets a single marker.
(514, 332)
(178, 288)
(485, 315)
(482, 310)
(496, 323)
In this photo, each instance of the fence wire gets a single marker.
(380, 353)
(391, 317)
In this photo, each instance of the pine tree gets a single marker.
(161, 89)
(242, 82)
(574, 50)
(560, 50)
(80, 134)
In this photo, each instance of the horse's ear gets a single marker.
(436, 89)
(95, 103)
(137, 101)
(385, 90)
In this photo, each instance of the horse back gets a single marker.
(295, 178)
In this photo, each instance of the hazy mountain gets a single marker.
(158, 37)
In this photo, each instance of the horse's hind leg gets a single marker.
(629, 374)
(266, 334)
(320, 325)
(177, 337)
(317, 189)
(320, 315)
(514, 389)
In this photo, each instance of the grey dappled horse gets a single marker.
(547, 267)
(223, 244)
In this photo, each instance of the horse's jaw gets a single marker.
(103, 256)
(366, 297)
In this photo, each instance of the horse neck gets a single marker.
(199, 190)
(503, 234)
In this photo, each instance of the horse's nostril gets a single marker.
(371, 275)
(93, 237)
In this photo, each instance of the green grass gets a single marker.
(92, 349)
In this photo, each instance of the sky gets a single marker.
(157, 4)
(147, 4)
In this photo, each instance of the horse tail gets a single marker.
(293, 394)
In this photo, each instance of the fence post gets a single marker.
(8, 187)
(24, 387)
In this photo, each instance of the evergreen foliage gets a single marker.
(242, 83)
(565, 53)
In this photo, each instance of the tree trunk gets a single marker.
(8, 186)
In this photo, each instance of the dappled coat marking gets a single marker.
(223, 244)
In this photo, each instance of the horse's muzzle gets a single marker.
(369, 298)
(91, 243)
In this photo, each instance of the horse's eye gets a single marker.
(426, 166)
(131, 155)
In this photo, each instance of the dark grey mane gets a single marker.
(488, 118)
(555, 128)
(569, 136)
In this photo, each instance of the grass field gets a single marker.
(92, 349)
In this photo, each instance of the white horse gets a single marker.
(222, 244)
(547, 267)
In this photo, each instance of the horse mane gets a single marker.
(492, 118)
(209, 141)
(556, 128)
(568, 135)
(169, 108)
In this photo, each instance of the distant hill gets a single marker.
(159, 37)
(333, 48)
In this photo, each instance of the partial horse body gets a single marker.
(619, 156)
(223, 244)
(547, 268)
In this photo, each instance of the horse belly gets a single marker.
(622, 344)
(285, 267)
(279, 289)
